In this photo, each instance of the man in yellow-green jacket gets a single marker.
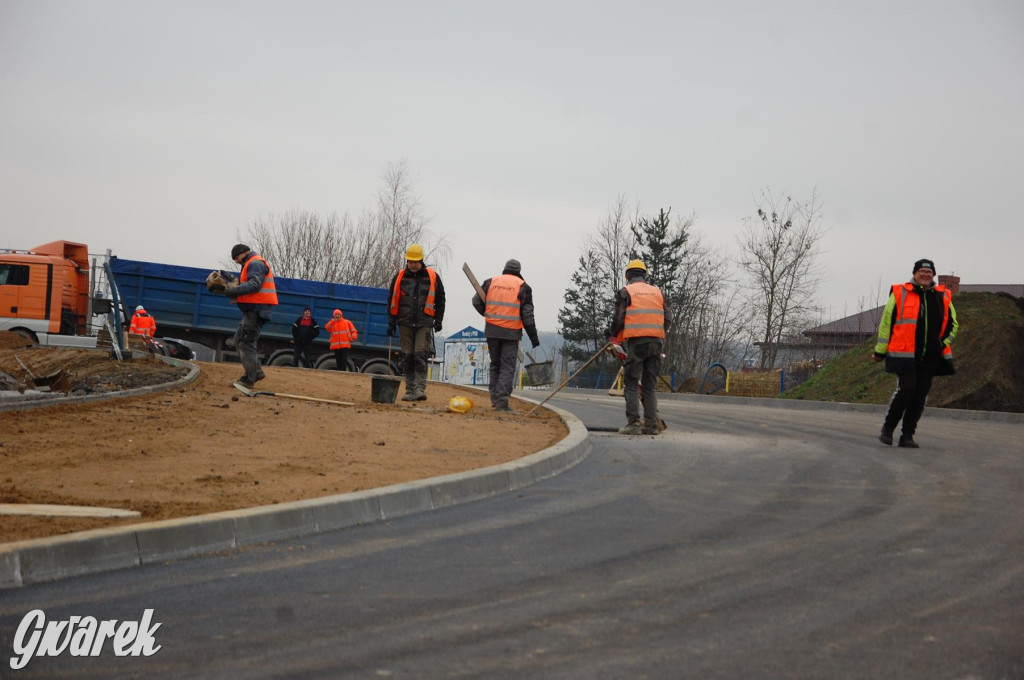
(914, 336)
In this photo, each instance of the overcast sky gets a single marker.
(160, 129)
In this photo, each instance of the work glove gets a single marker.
(535, 343)
(437, 325)
(391, 330)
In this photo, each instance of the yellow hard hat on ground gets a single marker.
(415, 253)
(636, 264)
(460, 404)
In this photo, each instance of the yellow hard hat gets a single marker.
(415, 253)
(460, 404)
(636, 264)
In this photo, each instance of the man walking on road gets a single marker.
(255, 296)
(508, 309)
(343, 334)
(642, 317)
(914, 336)
(416, 297)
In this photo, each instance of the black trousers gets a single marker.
(303, 354)
(909, 398)
(503, 354)
(341, 359)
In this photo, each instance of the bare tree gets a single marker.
(709, 317)
(613, 242)
(302, 244)
(396, 222)
(778, 253)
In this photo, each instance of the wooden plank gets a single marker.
(39, 510)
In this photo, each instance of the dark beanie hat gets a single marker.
(513, 267)
(239, 249)
(923, 263)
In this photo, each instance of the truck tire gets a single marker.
(284, 357)
(377, 367)
(27, 334)
(327, 363)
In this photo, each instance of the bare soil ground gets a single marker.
(206, 447)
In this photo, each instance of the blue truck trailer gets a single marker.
(177, 298)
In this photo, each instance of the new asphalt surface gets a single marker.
(745, 542)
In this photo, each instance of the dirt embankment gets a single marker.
(205, 447)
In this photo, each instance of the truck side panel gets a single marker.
(178, 300)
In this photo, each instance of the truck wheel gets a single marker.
(328, 363)
(27, 334)
(377, 367)
(282, 358)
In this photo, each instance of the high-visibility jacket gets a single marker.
(502, 307)
(267, 294)
(343, 332)
(143, 324)
(428, 305)
(897, 332)
(645, 315)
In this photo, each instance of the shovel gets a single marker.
(250, 393)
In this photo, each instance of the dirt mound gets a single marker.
(11, 340)
(87, 371)
(205, 447)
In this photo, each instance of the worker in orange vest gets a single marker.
(142, 323)
(508, 310)
(642, 317)
(914, 336)
(256, 296)
(343, 334)
(416, 311)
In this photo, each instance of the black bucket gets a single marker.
(384, 389)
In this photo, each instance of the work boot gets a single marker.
(649, 428)
(632, 428)
(503, 408)
(246, 383)
(907, 442)
(259, 376)
(410, 387)
(885, 437)
(420, 391)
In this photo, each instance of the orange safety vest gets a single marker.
(502, 307)
(396, 294)
(143, 324)
(343, 333)
(266, 295)
(645, 315)
(903, 337)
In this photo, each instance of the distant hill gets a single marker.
(988, 353)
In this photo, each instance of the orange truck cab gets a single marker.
(45, 291)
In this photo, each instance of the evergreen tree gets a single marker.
(587, 309)
(663, 248)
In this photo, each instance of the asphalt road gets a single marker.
(745, 542)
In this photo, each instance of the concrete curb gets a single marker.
(23, 404)
(90, 552)
(804, 405)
